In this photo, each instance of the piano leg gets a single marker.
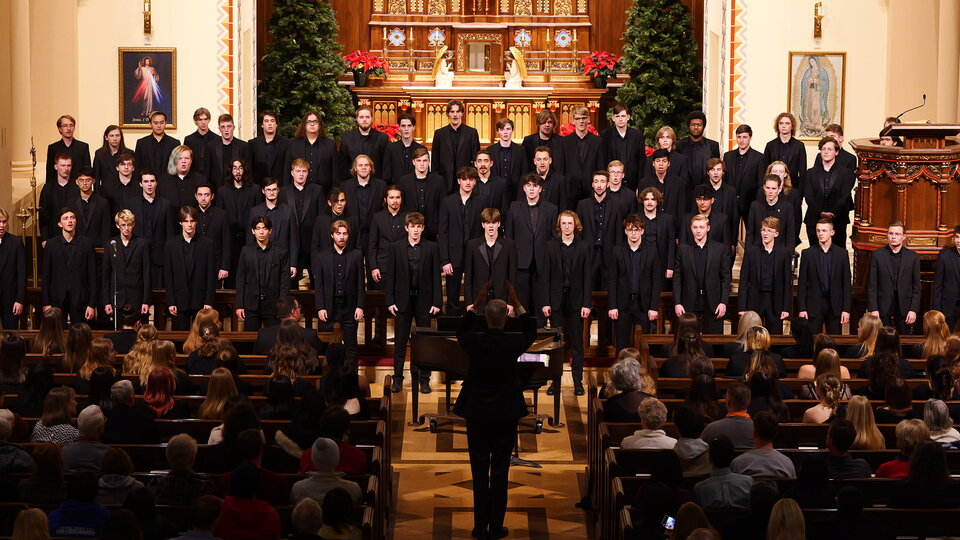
(555, 421)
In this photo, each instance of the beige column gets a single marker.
(948, 62)
(21, 123)
(912, 59)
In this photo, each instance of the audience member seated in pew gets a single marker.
(688, 347)
(272, 487)
(130, 321)
(31, 523)
(338, 517)
(56, 424)
(748, 320)
(653, 414)
(333, 424)
(19, 430)
(100, 356)
(684, 322)
(786, 521)
(307, 425)
(829, 391)
(803, 339)
(767, 393)
(242, 514)
(13, 373)
(753, 524)
(690, 448)
(840, 464)
(291, 334)
(86, 453)
(164, 355)
(867, 330)
(881, 375)
(127, 423)
(306, 519)
(181, 486)
(79, 516)
(121, 525)
(142, 351)
(705, 399)
(757, 343)
(936, 416)
(341, 384)
(193, 340)
(281, 398)
(143, 504)
(888, 342)
(45, 485)
(79, 338)
(666, 481)
(159, 399)
(220, 388)
(288, 362)
(690, 519)
(624, 391)
(723, 489)
(910, 433)
(764, 460)
(896, 404)
(849, 523)
(227, 357)
(827, 361)
(50, 339)
(655, 502)
(812, 489)
(288, 309)
(936, 331)
(239, 415)
(204, 515)
(940, 381)
(325, 455)
(203, 359)
(928, 483)
(866, 434)
(116, 481)
(98, 393)
(12, 459)
(736, 425)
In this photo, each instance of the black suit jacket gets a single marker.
(214, 224)
(77, 276)
(278, 277)
(238, 203)
(795, 156)
(612, 234)
(395, 164)
(838, 200)
(264, 167)
(478, 269)
(717, 282)
(354, 287)
(554, 190)
(377, 189)
(79, 151)
(212, 166)
(809, 295)
(492, 392)
(533, 141)
(396, 276)
(153, 154)
(131, 266)
(698, 169)
(745, 175)
(434, 190)
(320, 237)
(750, 269)
(54, 197)
(314, 202)
(157, 230)
(631, 152)
(674, 191)
(189, 287)
(581, 289)
(518, 163)
(94, 220)
(782, 210)
(618, 279)
(267, 336)
(531, 238)
(662, 232)
(352, 144)
(454, 228)
(105, 166)
(323, 159)
(844, 159)
(679, 167)
(725, 202)
(445, 160)
(579, 172)
(497, 192)
(120, 196)
(180, 191)
(13, 271)
(946, 281)
(719, 229)
(883, 282)
(382, 234)
(286, 232)
(198, 144)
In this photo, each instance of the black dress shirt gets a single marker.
(766, 270)
(825, 269)
(413, 260)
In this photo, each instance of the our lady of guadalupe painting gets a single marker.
(816, 91)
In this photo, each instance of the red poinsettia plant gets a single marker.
(600, 64)
(366, 62)
(568, 128)
(390, 130)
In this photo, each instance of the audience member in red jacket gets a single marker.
(272, 486)
(242, 515)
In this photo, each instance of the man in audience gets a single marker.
(13, 275)
(126, 275)
(130, 320)
(199, 139)
(93, 211)
(288, 309)
(190, 274)
(268, 151)
(840, 464)
(325, 455)
(824, 295)
(745, 167)
(633, 284)
(153, 150)
(262, 277)
(489, 259)
(86, 453)
(690, 448)
(204, 515)
(156, 224)
(306, 520)
(723, 489)
(181, 486)
(893, 287)
(946, 281)
(79, 516)
(307, 201)
(249, 449)
(180, 183)
(399, 155)
(363, 140)
(78, 150)
(766, 278)
(624, 144)
(57, 193)
(454, 146)
(753, 525)
(340, 294)
(69, 272)
(459, 223)
(697, 148)
(786, 148)
(530, 223)
(737, 425)
(653, 415)
(763, 460)
(422, 191)
(285, 231)
(12, 458)
(701, 282)
(126, 424)
(222, 151)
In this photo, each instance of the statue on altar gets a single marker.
(516, 68)
(443, 68)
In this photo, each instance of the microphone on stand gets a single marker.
(913, 109)
(113, 244)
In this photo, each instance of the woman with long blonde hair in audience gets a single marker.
(935, 332)
(50, 339)
(142, 350)
(220, 388)
(867, 330)
(79, 337)
(758, 351)
(288, 361)
(827, 361)
(164, 355)
(860, 413)
(102, 354)
(31, 524)
(193, 340)
(786, 521)
(748, 320)
(829, 390)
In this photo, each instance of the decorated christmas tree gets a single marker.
(660, 54)
(301, 68)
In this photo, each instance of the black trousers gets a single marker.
(897, 317)
(627, 318)
(262, 316)
(8, 320)
(454, 285)
(533, 292)
(824, 318)
(708, 318)
(771, 319)
(952, 316)
(348, 329)
(568, 318)
(183, 319)
(72, 313)
(404, 321)
(490, 444)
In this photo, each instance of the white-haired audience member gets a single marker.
(653, 415)
(86, 453)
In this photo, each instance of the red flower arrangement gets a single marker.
(600, 64)
(390, 130)
(366, 62)
(568, 128)
(648, 150)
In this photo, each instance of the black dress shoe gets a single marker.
(425, 387)
(552, 390)
(397, 385)
(479, 532)
(501, 533)
(578, 389)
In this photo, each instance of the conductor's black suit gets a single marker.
(824, 300)
(13, 279)
(893, 286)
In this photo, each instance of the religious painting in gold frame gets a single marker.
(815, 91)
(148, 82)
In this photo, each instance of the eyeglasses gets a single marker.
(312, 122)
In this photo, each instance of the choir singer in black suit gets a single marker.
(399, 155)
(126, 268)
(411, 291)
(893, 286)
(222, 151)
(262, 277)
(459, 223)
(745, 169)
(286, 231)
(530, 223)
(580, 154)
(454, 145)
(267, 150)
(155, 224)
(827, 189)
(214, 224)
(701, 282)
(824, 294)
(190, 273)
(492, 403)
(363, 140)
(13, 275)
(340, 291)
(93, 211)
(422, 191)
(633, 283)
(387, 227)
(237, 197)
(766, 281)
(69, 272)
(625, 144)
(306, 201)
(946, 281)
(601, 218)
(490, 261)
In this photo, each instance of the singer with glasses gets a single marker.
(126, 269)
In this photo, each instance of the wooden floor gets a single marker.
(434, 498)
